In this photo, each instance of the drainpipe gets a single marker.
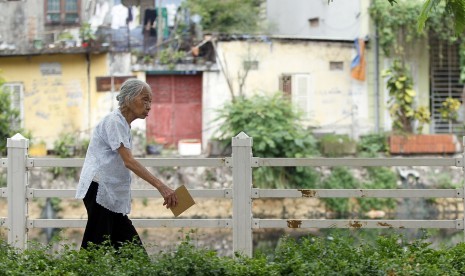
(377, 98)
(88, 91)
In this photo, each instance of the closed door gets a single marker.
(176, 108)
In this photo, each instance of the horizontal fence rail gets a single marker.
(241, 194)
(135, 193)
(357, 193)
(359, 162)
(357, 224)
(144, 223)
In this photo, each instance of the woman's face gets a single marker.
(141, 104)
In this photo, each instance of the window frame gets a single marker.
(62, 12)
(290, 85)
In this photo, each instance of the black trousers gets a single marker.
(105, 225)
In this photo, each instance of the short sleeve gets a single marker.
(117, 133)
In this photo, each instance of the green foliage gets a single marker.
(398, 24)
(372, 144)
(342, 178)
(449, 109)
(334, 255)
(401, 102)
(335, 145)
(444, 181)
(232, 16)
(65, 147)
(7, 116)
(170, 57)
(462, 62)
(378, 178)
(277, 132)
(86, 33)
(453, 9)
(65, 36)
(3, 181)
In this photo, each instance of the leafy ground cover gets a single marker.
(331, 255)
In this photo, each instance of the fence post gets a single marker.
(242, 193)
(17, 181)
(463, 183)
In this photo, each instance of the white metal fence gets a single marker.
(242, 193)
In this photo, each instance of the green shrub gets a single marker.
(342, 178)
(335, 145)
(68, 145)
(372, 145)
(276, 129)
(378, 178)
(332, 255)
(9, 119)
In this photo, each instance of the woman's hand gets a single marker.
(170, 197)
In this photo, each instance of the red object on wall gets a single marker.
(424, 144)
(176, 108)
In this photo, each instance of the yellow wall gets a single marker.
(57, 103)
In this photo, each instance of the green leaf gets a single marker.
(425, 12)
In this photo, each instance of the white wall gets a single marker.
(342, 19)
(340, 102)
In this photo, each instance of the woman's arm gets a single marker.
(136, 167)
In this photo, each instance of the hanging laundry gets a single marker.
(358, 63)
(119, 15)
(134, 22)
(150, 19)
(97, 19)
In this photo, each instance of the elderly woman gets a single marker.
(105, 181)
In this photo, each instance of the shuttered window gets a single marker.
(300, 88)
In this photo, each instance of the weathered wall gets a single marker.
(20, 23)
(332, 90)
(58, 102)
(336, 19)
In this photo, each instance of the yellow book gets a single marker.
(185, 201)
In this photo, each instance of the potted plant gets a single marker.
(449, 109)
(67, 39)
(87, 35)
(407, 139)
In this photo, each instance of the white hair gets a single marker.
(129, 90)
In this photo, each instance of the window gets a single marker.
(336, 66)
(250, 65)
(16, 101)
(300, 88)
(62, 11)
(314, 22)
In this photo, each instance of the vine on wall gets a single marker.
(398, 25)
(398, 34)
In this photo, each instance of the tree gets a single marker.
(453, 8)
(227, 16)
(7, 116)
